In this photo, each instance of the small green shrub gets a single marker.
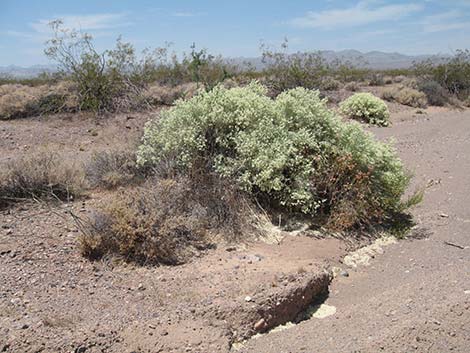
(277, 150)
(406, 96)
(366, 107)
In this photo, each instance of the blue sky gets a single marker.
(235, 28)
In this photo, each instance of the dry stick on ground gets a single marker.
(454, 244)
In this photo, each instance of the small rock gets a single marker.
(344, 273)
(81, 349)
(260, 325)
(165, 333)
(444, 215)
(248, 298)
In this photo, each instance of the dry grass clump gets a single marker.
(19, 101)
(166, 95)
(41, 176)
(406, 96)
(15, 100)
(352, 86)
(166, 221)
(399, 78)
(110, 169)
(330, 84)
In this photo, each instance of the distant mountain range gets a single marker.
(373, 60)
(25, 72)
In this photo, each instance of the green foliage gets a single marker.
(115, 79)
(278, 150)
(99, 76)
(285, 71)
(366, 107)
(453, 74)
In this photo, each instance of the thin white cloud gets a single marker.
(361, 14)
(447, 21)
(187, 14)
(100, 25)
(84, 22)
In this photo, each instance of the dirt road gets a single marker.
(416, 296)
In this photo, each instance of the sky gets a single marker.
(236, 28)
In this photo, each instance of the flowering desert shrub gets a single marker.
(280, 151)
(366, 107)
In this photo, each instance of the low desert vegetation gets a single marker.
(111, 169)
(270, 148)
(453, 74)
(18, 101)
(406, 96)
(436, 94)
(225, 160)
(42, 176)
(167, 221)
(118, 79)
(122, 80)
(366, 107)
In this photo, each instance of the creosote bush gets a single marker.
(366, 107)
(435, 93)
(291, 152)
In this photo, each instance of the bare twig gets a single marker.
(454, 245)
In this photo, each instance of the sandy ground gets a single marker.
(416, 296)
(413, 297)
